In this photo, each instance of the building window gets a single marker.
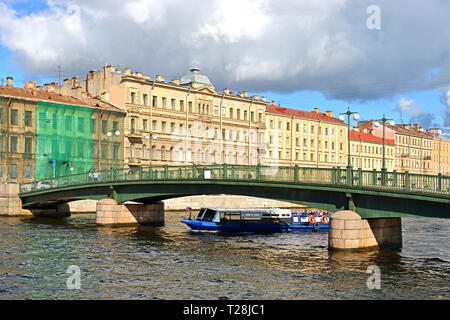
(132, 150)
(155, 128)
(1, 117)
(133, 97)
(252, 116)
(216, 110)
(144, 151)
(260, 117)
(28, 145)
(154, 101)
(104, 126)
(163, 153)
(245, 114)
(115, 126)
(132, 124)
(13, 147)
(145, 99)
(190, 106)
(164, 100)
(115, 153)
(231, 113)
(13, 171)
(144, 124)
(14, 117)
(163, 126)
(94, 125)
(28, 118)
(69, 123)
(172, 104)
(182, 105)
(104, 150)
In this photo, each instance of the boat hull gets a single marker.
(260, 227)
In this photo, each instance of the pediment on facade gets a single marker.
(134, 110)
(206, 89)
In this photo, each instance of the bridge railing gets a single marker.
(381, 180)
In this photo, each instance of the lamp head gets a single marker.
(117, 133)
(376, 124)
(356, 117)
(109, 134)
(392, 123)
(341, 117)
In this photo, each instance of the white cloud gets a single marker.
(254, 45)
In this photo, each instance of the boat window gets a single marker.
(209, 215)
(200, 214)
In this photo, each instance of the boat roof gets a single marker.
(278, 210)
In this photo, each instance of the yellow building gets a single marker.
(367, 150)
(311, 139)
(440, 158)
(183, 121)
(44, 134)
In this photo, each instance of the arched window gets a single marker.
(132, 123)
(198, 156)
(206, 156)
(172, 154)
(163, 153)
(132, 150)
(144, 151)
(152, 152)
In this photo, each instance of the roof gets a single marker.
(399, 129)
(195, 76)
(369, 137)
(304, 114)
(52, 97)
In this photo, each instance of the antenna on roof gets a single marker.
(3, 80)
(59, 75)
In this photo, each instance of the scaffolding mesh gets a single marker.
(64, 140)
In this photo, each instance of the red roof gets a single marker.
(303, 114)
(355, 135)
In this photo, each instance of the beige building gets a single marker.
(183, 121)
(440, 156)
(305, 138)
(367, 150)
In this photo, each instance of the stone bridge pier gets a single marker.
(111, 213)
(348, 231)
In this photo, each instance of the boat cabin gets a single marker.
(221, 215)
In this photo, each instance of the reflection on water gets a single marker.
(172, 262)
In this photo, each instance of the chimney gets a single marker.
(421, 129)
(66, 82)
(176, 81)
(356, 129)
(243, 94)
(329, 113)
(159, 78)
(75, 81)
(127, 71)
(263, 99)
(316, 110)
(255, 97)
(91, 75)
(226, 91)
(39, 88)
(46, 87)
(273, 102)
(416, 126)
(30, 85)
(9, 81)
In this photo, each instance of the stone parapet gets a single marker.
(110, 213)
(10, 203)
(348, 231)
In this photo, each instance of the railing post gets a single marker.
(349, 176)
(333, 175)
(296, 173)
(439, 182)
(166, 172)
(407, 182)
(140, 173)
(360, 177)
(338, 175)
(224, 171)
(194, 171)
(374, 177)
(394, 178)
(383, 176)
(232, 172)
(258, 172)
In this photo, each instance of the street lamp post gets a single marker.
(377, 124)
(151, 137)
(349, 159)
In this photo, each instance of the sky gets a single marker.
(376, 57)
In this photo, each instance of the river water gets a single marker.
(172, 262)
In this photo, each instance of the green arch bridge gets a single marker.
(372, 194)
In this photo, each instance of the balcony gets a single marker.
(136, 134)
(134, 161)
